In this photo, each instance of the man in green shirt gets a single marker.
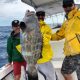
(13, 53)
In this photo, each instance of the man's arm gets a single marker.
(9, 49)
(46, 41)
(47, 36)
(60, 34)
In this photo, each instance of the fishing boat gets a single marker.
(52, 8)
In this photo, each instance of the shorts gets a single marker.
(71, 64)
(47, 70)
(17, 67)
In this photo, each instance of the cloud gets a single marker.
(15, 10)
(8, 1)
(12, 9)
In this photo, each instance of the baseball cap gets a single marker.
(15, 23)
(67, 3)
(40, 12)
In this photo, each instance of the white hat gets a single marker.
(40, 9)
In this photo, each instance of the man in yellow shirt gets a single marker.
(70, 30)
(45, 66)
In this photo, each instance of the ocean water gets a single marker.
(4, 34)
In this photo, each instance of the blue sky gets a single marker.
(15, 9)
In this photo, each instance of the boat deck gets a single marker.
(6, 73)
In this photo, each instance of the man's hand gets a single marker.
(8, 64)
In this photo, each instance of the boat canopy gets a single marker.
(50, 6)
